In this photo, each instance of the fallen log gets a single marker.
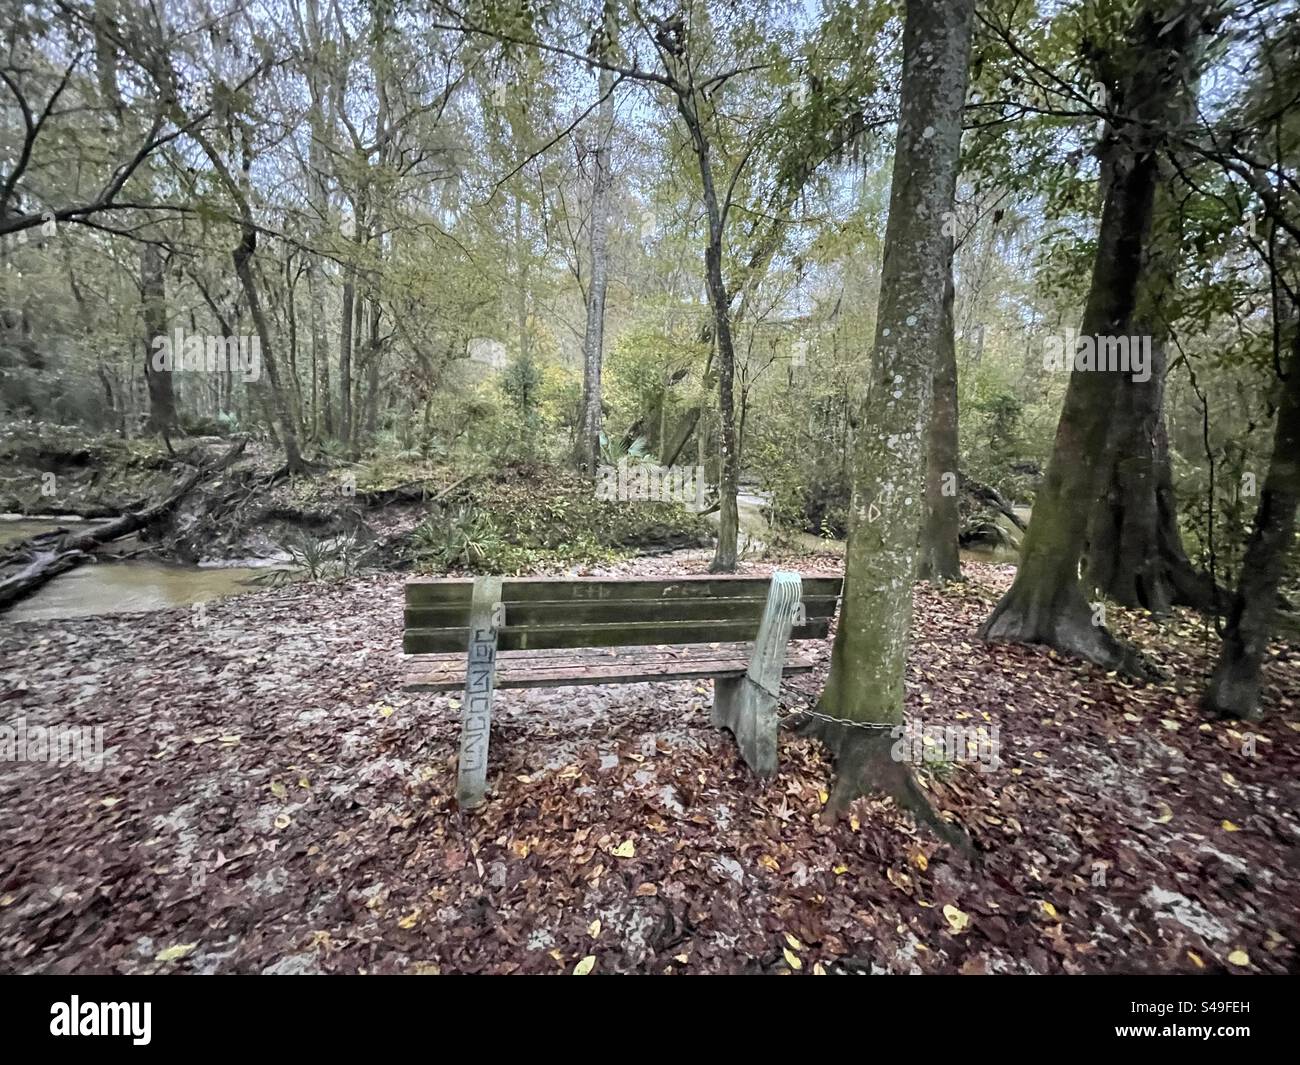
(989, 495)
(411, 492)
(74, 548)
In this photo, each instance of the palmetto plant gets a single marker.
(612, 452)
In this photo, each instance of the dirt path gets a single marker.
(271, 801)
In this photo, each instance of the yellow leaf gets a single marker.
(823, 796)
(1049, 909)
(840, 870)
(1228, 826)
(921, 861)
(278, 789)
(593, 929)
(409, 920)
(956, 919)
(792, 959)
(1195, 959)
(176, 953)
(584, 967)
(794, 943)
(683, 958)
(385, 711)
(817, 969)
(768, 862)
(109, 803)
(1166, 814)
(1239, 957)
(303, 782)
(854, 823)
(626, 849)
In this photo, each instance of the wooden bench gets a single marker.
(479, 634)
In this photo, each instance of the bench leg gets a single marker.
(749, 714)
(476, 709)
(746, 706)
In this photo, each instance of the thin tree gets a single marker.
(865, 688)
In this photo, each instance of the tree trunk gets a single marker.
(1046, 602)
(162, 396)
(593, 340)
(940, 561)
(724, 558)
(345, 352)
(870, 653)
(1234, 687)
(1135, 549)
(242, 257)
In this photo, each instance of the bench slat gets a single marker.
(596, 611)
(436, 591)
(554, 669)
(510, 638)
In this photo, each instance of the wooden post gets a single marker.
(747, 705)
(480, 672)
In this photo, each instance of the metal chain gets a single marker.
(789, 688)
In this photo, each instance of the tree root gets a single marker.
(864, 765)
(1068, 628)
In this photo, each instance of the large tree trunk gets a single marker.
(1135, 548)
(865, 685)
(939, 560)
(1046, 602)
(1234, 687)
(162, 397)
(588, 450)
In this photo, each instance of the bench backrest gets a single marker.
(608, 612)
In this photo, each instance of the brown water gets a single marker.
(119, 587)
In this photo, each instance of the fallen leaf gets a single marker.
(584, 967)
(176, 953)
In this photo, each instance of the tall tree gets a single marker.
(939, 560)
(1234, 688)
(162, 398)
(865, 686)
(593, 339)
(1144, 67)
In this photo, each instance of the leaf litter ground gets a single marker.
(272, 801)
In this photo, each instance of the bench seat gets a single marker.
(553, 668)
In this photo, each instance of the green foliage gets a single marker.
(526, 518)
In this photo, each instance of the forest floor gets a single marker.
(271, 801)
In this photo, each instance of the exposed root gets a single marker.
(864, 765)
(1068, 629)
